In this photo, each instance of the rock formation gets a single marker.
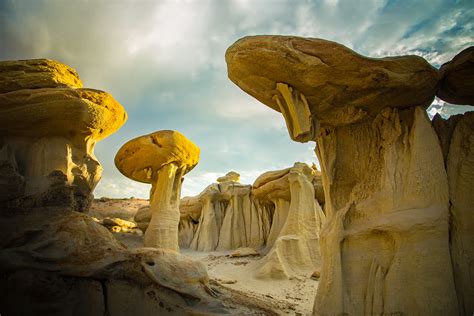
(456, 138)
(457, 79)
(229, 217)
(68, 120)
(56, 261)
(161, 159)
(385, 244)
(293, 241)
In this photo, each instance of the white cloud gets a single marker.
(164, 61)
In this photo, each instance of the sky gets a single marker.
(164, 62)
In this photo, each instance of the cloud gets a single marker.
(164, 61)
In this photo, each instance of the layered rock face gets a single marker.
(49, 126)
(222, 209)
(293, 240)
(229, 215)
(224, 216)
(385, 244)
(161, 159)
(457, 138)
(56, 261)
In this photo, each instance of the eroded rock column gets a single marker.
(161, 159)
(49, 125)
(385, 245)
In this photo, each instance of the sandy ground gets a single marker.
(287, 297)
(121, 208)
(231, 275)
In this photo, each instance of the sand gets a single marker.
(233, 276)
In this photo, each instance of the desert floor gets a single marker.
(229, 274)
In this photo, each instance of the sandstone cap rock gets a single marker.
(60, 111)
(35, 74)
(457, 79)
(337, 85)
(140, 158)
(231, 176)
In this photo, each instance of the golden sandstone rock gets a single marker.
(161, 159)
(50, 126)
(230, 176)
(278, 215)
(385, 244)
(36, 74)
(315, 81)
(54, 260)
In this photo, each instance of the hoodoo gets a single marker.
(161, 159)
(49, 126)
(385, 245)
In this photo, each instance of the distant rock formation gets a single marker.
(293, 241)
(278, 215)
(385, 244)
(161, 159)
(49, 126)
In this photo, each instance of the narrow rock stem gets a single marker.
(162, 231)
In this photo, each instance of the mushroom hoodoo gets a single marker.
(49, 126)
(382, 168)
(161, 159)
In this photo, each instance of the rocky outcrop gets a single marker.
(230, 218)
(49, 126)
(457, 139)
(231, 176)
(75, 246)
(161, 159)
(293, 241)
(36, 74)
(457, 79)
(56, 261)
(305, 80)
(385, 243)
(228, 215)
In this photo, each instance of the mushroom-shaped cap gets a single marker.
(60, 112)
(231, 176)
(457, 82)
(140, 158)
(339, 85)
(274, 184)
(35, 74)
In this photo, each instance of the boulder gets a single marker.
(244, 252)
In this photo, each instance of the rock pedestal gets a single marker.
(49, 126)
(385, 244)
